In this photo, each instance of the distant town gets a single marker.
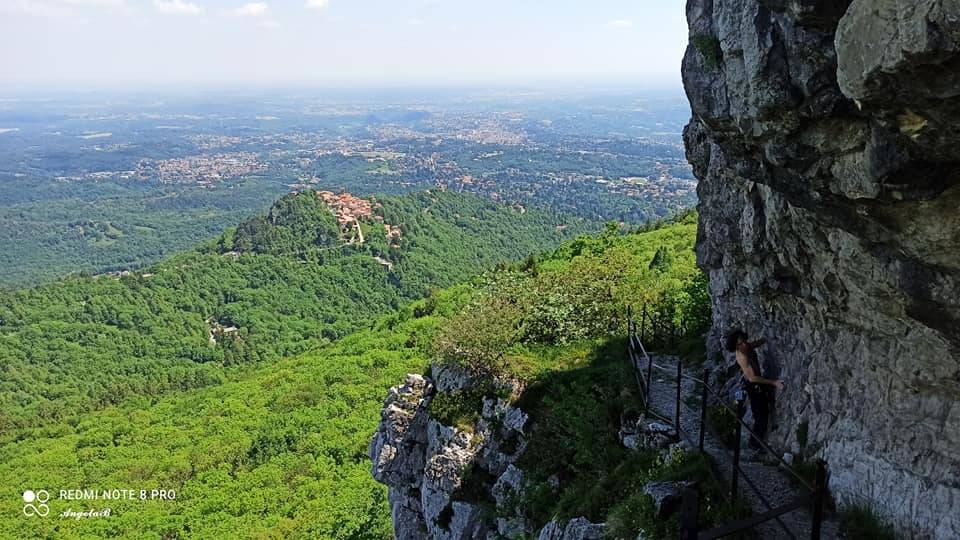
(503, 151)
(121, 184)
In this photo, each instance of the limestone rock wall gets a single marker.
(826, 138)
(458, 483)
(444, 480)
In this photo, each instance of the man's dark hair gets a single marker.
(733, 337)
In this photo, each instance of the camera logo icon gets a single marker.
(35, 503)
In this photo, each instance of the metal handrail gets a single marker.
(765, 502)
(639, 343)
(736, 415)
(757, 439)
(644, 388)
(815, 495)
(752, 521)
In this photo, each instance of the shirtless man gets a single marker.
(760, 390)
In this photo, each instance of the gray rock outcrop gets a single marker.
(646, 434)
(425, 463)
(398, 451)
(824, 135)
(666, 497)
(575, 529)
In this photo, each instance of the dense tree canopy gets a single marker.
(277, 286)
(114, 383)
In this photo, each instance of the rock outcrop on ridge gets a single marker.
(426, 464)
(457, 482)
(826, 138)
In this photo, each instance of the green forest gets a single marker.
(50, 229)
(114, 383)
(275, 286)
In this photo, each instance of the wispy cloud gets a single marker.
(177, 7)
(253, 9)
(620, 23)
(269, 24)
(413, 21)
(318, 4)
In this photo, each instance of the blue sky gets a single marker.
(60, 43)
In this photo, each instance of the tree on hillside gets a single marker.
(478, 337)
(662, 260)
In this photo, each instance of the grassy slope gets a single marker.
(278, 452)
(579, 389)
(281, 451)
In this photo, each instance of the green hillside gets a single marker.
(280, 450)
(277, 286)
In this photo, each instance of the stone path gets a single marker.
(772, 482)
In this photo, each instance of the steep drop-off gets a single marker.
(528, 424)
(824, 135)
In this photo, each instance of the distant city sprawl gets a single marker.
(114, 187)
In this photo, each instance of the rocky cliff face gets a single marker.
(826, 137)
(426, 463)
(457, 482)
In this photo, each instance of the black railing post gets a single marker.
(649, 378)
(819, 495)
(676, 415)
(735, 476)
(654, 330)
(690, 512)
(643, 325)
(629, 323)
(703, 407)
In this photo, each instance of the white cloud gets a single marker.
(253, 9)
(318, 4)
(414, 21)
(177, 7)
(620, 23)
(269, 24)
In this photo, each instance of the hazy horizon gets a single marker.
(64, 45)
